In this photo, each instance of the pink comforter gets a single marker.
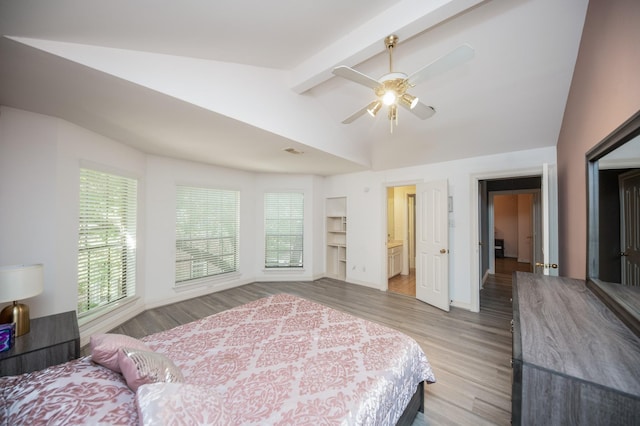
(278, 360)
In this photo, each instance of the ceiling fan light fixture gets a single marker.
(409, 100)
(374, 107)
(391, 88)
(389, 97)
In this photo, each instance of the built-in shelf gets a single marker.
(336, 225)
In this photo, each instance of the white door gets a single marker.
(549, 264)
(432, 244)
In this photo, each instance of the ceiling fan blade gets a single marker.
(355, 76)
(421, 110)
(444, 63)
(355, 115)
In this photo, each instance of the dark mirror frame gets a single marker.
(624, 301)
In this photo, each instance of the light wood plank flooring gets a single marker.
(404, 284)
(470, 352)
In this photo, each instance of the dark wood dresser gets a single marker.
(53, 339)
(574, 361)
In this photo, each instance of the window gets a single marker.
(207, 232)
(284, 229)
(107, 240)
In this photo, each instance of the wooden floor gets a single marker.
(506, 265)
(404, 284)
(470, 352)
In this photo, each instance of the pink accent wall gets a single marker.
(605, 91)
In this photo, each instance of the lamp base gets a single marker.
(18, 313)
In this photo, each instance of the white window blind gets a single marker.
(107, 240)
(207, 232)
(284, 229)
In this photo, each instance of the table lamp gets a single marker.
(19, 282)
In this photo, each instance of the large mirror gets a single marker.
(613, 221)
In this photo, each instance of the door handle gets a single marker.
(443, 251)
(547, 265)
(624, 253)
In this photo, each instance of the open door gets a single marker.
(432, 244)
(549, 207)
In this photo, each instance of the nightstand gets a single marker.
(53, 339)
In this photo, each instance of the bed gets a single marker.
(280, 360)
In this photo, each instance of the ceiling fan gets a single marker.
(391, 88)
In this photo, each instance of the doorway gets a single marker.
(512, 217)
(401, 239)
(509, 228)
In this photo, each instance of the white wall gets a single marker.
(39, 161)
(367, 201)
(28, 201)
(163, 175)
(40, 158)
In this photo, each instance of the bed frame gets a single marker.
(416, 404)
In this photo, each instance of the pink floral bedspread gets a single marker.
(280, 360)
(78, 392)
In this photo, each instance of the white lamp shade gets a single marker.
(18, 282)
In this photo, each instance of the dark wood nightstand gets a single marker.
(52, 340)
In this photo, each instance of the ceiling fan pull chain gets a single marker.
(393, 117)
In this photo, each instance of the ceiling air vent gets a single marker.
(293, 151)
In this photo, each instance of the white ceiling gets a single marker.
(235, 83)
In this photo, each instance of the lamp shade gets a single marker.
(19, 282)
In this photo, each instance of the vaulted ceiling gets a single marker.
(236, 83)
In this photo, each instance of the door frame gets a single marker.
(384, 280)
(476, 226)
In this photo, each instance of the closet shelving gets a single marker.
(336, 216)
